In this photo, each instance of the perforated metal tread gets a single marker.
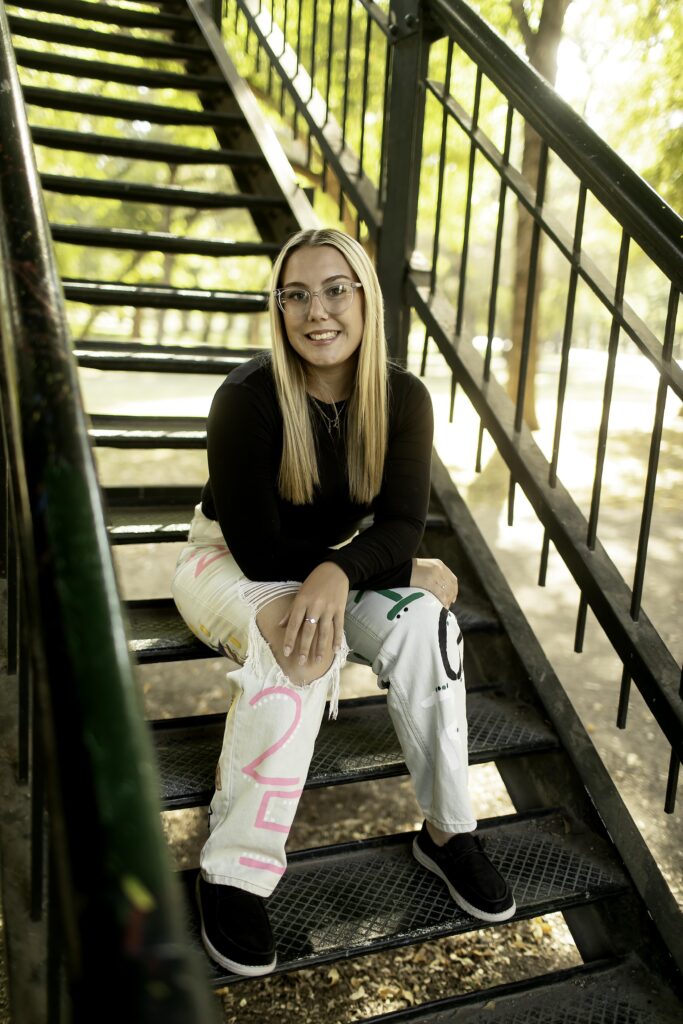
(167, 195)
(135, 525)
(109, 72)
(360, 745)
(157, 633)
(141, 149)
(110, 14)
(155, 358)
(106, 42)
(343, 901)
(613, 993)
(157, 241)
(110, 293)
(125, 110)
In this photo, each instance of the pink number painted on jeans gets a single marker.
(250, 769)
(206, 560)
(265, 780)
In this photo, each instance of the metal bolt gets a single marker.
(411, 20)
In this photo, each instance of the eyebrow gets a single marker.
(328, 280)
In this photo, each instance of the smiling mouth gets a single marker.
(322, 335)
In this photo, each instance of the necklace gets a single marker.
(332, 423)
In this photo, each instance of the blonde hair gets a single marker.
(367, 415)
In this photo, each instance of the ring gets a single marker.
(312, 621)
(442, 585)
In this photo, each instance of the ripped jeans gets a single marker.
(412, 643)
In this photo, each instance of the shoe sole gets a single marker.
(246, 970)
(481, 915)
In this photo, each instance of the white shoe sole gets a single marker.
(481, 915)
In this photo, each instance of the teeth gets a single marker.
(323, 335)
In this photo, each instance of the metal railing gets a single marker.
(404, 129)
(115, 915)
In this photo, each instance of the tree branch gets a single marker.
(523, 22)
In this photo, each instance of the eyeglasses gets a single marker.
(335, 298)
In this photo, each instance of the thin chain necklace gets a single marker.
(332, 423)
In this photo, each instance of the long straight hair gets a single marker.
(367, 415)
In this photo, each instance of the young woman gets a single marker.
(304, 444)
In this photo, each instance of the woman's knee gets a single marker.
(271, 621)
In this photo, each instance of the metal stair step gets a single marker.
(132, 356)
(148, 432)
(361, 744)
(140, 149)
(125, 110)
(351, 899)
(169, 195)
(131, 524)
(621, 992)
(77, 67)
(156, 633)
(109, 293)
(110, 14)
(157, 241)
(107, 42)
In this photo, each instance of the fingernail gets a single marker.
(302, 659)
(318, 658)
(288, 651)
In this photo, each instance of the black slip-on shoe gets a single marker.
(473, 882)
(236, 931)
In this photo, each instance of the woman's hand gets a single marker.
(434, 575)
(315, 623)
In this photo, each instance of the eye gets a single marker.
(295, 295)
(335, 291)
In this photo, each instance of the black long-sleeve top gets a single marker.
(273, 539)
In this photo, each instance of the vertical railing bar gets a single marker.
(568, 331)
(295, 119)
(285, 14)
(347, 65)
(624, 697)
(511, 501)
(328, 82)
(580, 631)
(364, 103)
(480, 445)
(330, 51)
(545, 552)
(531, 287)
(314, 48)
(298, 35)
(383, 141)
(452, 402)
(498, 247)
(442, 168)
(672, 783)
(423, 361)
(604, 424)
(607, 394)
(653, 462)
(468, 209)
(564, 364)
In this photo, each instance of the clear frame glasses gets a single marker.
(335, 297)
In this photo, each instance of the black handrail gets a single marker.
(128, 955)
(644, 214)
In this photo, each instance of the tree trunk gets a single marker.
(541, 47)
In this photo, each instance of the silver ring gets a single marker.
(312, 621)
(442, 585)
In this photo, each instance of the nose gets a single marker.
(319, 311)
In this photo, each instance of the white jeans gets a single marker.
(414, 646)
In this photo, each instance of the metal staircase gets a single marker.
(344, 900)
